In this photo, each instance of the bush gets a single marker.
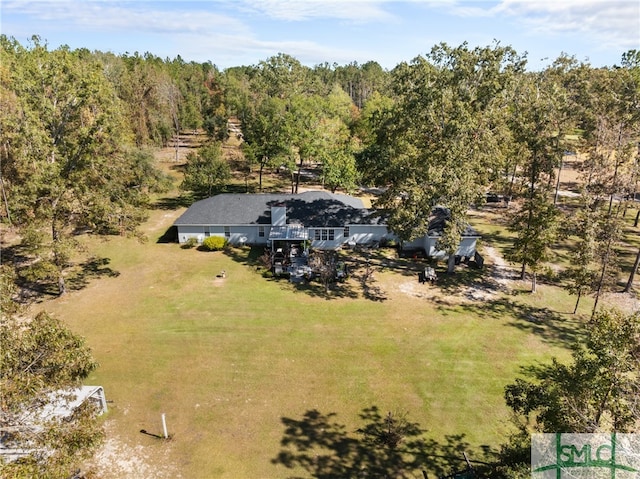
(214, 243)
(190, 243)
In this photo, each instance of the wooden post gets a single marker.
(164, 426)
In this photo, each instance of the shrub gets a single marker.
(214, 243)
(190, 243)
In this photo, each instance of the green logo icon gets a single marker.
(593, 456)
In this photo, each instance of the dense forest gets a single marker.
(78, 129)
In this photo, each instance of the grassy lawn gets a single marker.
(228, 359)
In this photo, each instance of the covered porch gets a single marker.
(287, 248)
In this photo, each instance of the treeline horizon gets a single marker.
(79, 129)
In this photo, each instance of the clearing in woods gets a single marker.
(229, 359)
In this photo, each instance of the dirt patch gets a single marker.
(495, 281)
(417, 290)
(117, 459)
(625, 302)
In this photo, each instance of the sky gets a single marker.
(232, 33)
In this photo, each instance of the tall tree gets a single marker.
(440, 141)
(64, 168)
(582, 274)
(611, 127)
(266, 133)
(598, 390)
(539, 124)
(536, 225)
(206, 171)
(305, 122)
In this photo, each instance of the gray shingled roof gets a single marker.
(311, 209)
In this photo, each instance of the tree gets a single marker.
(138, 82)
(442, 138)
(610, 170)
(339, 170)
(632, 275)
(538, 124)
(361, 81)
(582, 274)
(64, 167)
(306, 130)
(40, 356)
(325, 263)
(337, 145)
(281, 76)
(266, 134)
(206, 171)
(536, 225)
(598, 390)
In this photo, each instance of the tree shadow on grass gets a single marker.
(92, 268)
(385, 446)
(36, 288)
(173, 203)
(335, 290)
(551, 326)
(251, 256)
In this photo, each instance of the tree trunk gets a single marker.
(555, 198)
(298, 175)
(575, 309)
(55, 236)
(629, 285)
(534, 284)
(262, 163)
(62, 287)
(635, 223)
(451, 264)
(605, 261)
(6, 202)
(523, 271)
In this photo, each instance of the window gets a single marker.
(346, 232)
(323, 234)
(227, 232)
(261, 231)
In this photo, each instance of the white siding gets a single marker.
(186, 232)
(248, 232)
(236, 233)
(366, 234)
(467, 247)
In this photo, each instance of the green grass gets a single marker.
(227, 359)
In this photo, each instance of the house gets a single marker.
(318, 219)
(429, 243)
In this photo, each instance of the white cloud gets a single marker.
(359, 11)
(123, 16)
(605, 22)
(232, 32)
